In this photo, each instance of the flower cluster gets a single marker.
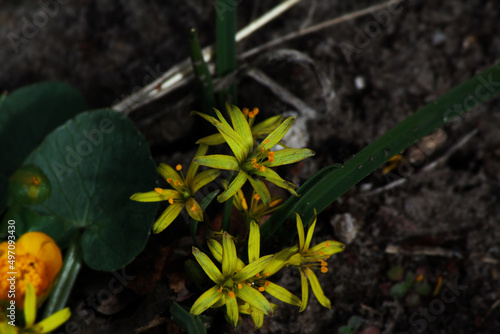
(252, 161)
(239, 287)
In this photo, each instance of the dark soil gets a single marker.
(440, 222)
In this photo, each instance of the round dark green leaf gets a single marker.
(30, 113)
(95, 162)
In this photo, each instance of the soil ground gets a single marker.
(440, 221)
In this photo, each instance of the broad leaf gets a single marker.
(95, 162)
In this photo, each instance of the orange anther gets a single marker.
(176, 182)
(262, 169)
(220, 289)
(169, 180)
(35, 180)
(240, 286)
(256, 197)
(255, 111)
(231, 294)
(245, 111)
(261, 288)
(171, 200)
(159, 190)
(327, 244)
(267, 283)
(257, 275)
(178, 167)
(419, 278)
(324, 269)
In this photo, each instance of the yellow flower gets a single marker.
(45, 326)
(230, 283)
(36, 259)
(257, 209)
(314, 257)
(252, 163)
(260, 280)
(182, 194)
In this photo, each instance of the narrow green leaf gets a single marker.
(225, 46)
(202, 73)
(188, 323)
(330, 185)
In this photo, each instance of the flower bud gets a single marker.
(29, 185)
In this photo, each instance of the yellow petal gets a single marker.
(328, 247)
(154, 196)
(233, 188)
(274, 137)
(194, 209)
(255, 298)
(167, 217)
(207, 299)
(216, 249)
(203, 179)
(267, 126)
(316, 288)
(282, 294)
(229, 257)
(51, 323)
(253, 242)
(167, 173)
(280, 259)
(310, 232)
(258, 318)
(290, 156)
(218, 161)
(30, 305)
(252, 269)
(305, 291)
(212, 140)
(241, 126)
(208, 266)
(271, 176)
(261, 190)
(232, 310)
(193, 168)
(300, 231)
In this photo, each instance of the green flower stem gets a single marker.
(69, 272)
(10, 214)
(319, 192)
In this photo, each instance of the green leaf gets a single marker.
(225, 46)
(202, 74)
(29, 114)
(188, 322)
(328, 185)
(94, 163)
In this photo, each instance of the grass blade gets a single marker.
(225, 47)
(328, 185)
